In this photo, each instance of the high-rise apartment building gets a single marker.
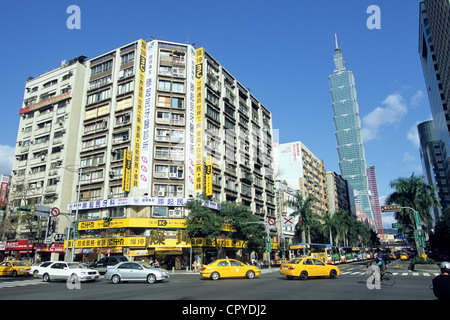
(301, 169)
(158, 123)
(340, 194)
(352, 159)
(375, 200)
(434, 30)
(47, 140)
(433, 164)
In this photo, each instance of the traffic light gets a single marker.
(235, 223)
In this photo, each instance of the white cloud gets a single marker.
(413, 136)
(416, 99)
(395, 109)
(6, 159)
(388, 219)
(411, 163)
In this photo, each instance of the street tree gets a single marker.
(246, 226)
(414, 193)
(303, 209)
(203, 222)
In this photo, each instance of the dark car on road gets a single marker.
(106, 262)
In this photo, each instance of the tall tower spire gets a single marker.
(338, 57)
(352, 158)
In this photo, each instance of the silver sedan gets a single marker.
(135, 271)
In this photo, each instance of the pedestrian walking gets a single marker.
(195, 266)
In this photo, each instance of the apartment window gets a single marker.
(127, 58)
(164, 101)
(94, 84)
(100, 68)
(164, 85)
(123, 119)
(177, 103)
(42, 139)
(58, 134)
(94, 143)
(166, 171)
(87, 195)
(50, 83)
(92, 176)
(116, 173)
(36, 185)
(96, 112)
(117, 192)
(175, 86)
(164, 190)
(178, 87)
(117, 154)
(165, 70)
(99, 125)
(121, 137)
(159, 212)
(179, 72)
(57, 149)
(126, 87)
(170, 102)
(99, 96)
(211, 112)
(126, 72)
(93, 160)
(212, 98)
(162, 152)
(37, 169)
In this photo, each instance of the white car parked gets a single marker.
(35, 271)
(60, 270)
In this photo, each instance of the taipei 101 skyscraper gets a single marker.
(352, 159)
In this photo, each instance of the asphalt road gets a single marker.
(269, 287)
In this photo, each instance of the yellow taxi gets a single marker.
(229, 268)
(304, 267)
(14, 268)
(404, 256)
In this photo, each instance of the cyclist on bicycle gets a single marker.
(380, 263)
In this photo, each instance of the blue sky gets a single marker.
(281, 50)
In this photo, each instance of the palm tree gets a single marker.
(329, 225)
(414, 193)
(342, 221)
(303, 209)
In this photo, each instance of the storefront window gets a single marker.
(159, 212)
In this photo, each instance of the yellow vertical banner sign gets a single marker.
(198, 140)
(126, 176)
(208, 176)
(139, 115)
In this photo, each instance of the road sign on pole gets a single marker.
(391, 208)
(43, 211)
(417, 218)
(55, 212)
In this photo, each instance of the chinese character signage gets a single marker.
(198, 139)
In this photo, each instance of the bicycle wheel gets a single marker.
(367, 275)
(388, 278)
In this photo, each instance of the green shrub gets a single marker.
(420, 260)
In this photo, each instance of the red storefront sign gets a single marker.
(19, 245)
